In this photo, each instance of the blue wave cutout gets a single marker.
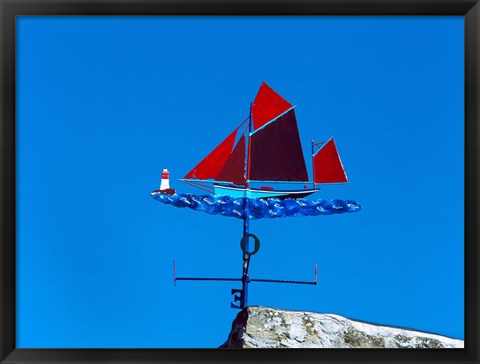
(258, 208)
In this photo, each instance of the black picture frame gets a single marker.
(9, 9)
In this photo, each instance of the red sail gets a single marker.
(327, 165)
(267, 106)
(276, 152)
(212, 164)
(234, 168)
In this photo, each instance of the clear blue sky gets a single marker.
(105, 103)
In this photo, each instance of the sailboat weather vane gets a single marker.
(259, 171)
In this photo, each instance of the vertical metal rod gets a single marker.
(246, 258)
(313, 164)
(249, 145)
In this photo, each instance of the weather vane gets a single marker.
(259, 171)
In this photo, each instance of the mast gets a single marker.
(313, 164)
(250, 127)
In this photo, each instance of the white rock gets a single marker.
(263, 327)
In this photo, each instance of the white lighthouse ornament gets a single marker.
(164, 184)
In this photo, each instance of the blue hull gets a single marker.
(238, 192)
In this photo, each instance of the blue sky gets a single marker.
(105, 103)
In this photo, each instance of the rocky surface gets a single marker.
(263, 327)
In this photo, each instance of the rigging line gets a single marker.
(274, 119)
(202, 180)
(321, 147)
(318, 144)
(268, 181)
(202, 186)
(198, 186)
(243, 122)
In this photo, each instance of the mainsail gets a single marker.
(276, 153)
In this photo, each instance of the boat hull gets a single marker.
(238, 192)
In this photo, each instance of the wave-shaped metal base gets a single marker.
(258, 208)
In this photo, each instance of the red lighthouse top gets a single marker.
(165, 173)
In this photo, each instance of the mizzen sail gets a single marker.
(327, 166)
